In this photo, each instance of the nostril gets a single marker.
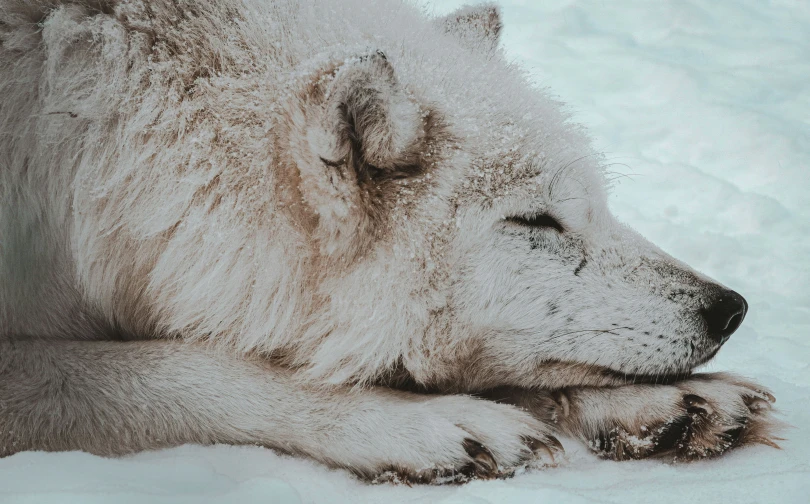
(734, 322)
(724, 315)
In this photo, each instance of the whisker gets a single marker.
(599, 331)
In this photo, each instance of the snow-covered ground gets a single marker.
(704, 105)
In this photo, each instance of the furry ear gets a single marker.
(476, 26)
(370, 119)
(356, 130)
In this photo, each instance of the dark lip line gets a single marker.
(660, 378)
(609, 377)
(648, 379)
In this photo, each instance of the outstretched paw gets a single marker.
(702, 417)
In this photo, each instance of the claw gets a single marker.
(483, 463)
(548, 446)
(562, 400)
(733, 435)
(697, 404)
(555, 443)
(764, 394)
(757, 404)
(606, 442)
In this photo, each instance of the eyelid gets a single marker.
(538, 220)
(333, 164)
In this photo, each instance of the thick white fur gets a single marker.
(194, 395)
(183, 170)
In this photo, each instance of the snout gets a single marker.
(724, 315)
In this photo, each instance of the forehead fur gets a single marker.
(511, 131)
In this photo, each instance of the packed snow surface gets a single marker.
(703, 107)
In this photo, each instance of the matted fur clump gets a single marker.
(285, 222)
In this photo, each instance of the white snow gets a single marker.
(704, 105)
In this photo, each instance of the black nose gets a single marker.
(724, 315)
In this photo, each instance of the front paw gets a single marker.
(453, 439)
(702, 417)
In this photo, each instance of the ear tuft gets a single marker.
(371, 112)
(353, 131)
(476, 26)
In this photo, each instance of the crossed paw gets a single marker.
(702, 417)
(450, 439)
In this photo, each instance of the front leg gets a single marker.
(700, 417)
(112, 398)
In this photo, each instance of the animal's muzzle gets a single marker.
(724, 315)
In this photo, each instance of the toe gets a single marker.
(697, 404)
(483, 463)
(545, 448)
(756, 404)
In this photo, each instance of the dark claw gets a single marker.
(534, 444)
(562, 402)
(768, 395)
(605, 442)
(483, 463)
(733, 435)
(757, 404)
(548, 446)
(555, 444)
(697, 404)
(609, 442)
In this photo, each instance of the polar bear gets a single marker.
(339, 229)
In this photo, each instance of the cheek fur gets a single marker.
(546, 297)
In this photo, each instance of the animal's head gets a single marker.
(464, 236)
(414, 206)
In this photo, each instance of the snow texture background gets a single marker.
(704, 107)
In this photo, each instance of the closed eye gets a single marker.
(333, 164)
(537, 221)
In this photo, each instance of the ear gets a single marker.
(476, 26)
(353, 131)
(372, 120)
